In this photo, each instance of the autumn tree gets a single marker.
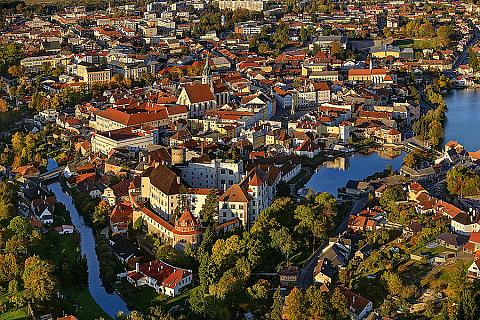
(38, 280)
(294, 305)
(336, 49)
(3, 105)
(8, 267)
(101, 215)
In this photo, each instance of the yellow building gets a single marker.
(92, 74)
(35, 64)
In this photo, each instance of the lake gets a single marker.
(463, 118)
(335, 174)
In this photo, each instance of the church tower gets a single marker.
(207, 74)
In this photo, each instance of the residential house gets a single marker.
(162, 277)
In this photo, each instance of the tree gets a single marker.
(413, 159)
(209, 210)
(101, 215)
(16, 71)
(336, 48)
(166, 253)
(339, 303)
(294, 305)
(7, 210)
(3, 105)
(38, 280)
(134, 315)
(283, 189)
(258, 295)
(8, 267)
(303, 34)
(280, 36)
(277, 307)
(20, 226)
(390, 197)
(283, 241)
(463, 181)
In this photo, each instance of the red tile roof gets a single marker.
(199, 93)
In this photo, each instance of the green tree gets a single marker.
(20, 226)
(277, 307)
(283, 241)
(339, 304)
(209, 211)
(7, 211)
(391, 196)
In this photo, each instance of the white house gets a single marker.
(162, 277)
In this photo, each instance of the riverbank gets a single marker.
(111, 304)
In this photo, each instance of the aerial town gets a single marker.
(239, 159)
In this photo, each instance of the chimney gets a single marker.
(137, 267)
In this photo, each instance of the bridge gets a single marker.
(52, 174)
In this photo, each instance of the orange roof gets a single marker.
(132, 119)
(255, 181)
(235, 194)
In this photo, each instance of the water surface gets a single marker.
(335, 174)
(110, 303)
(463, 118)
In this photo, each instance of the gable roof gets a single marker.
(165, 180)
(235, 194)
(199, 93)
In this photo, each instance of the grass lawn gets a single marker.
(432, 251)
(145, 297)
(13, 313)
(181, 299)
(82, 304)
(138, 298)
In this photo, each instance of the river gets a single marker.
(110, 303)
(463, 118)
(335, 174)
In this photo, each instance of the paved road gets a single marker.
(305, 278)
(462, 57)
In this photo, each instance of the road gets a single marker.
(305, 277)
(462, 57)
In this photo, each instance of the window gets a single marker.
(233, 206)
(222, 171)
(240, 206)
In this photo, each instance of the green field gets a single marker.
(82, 305)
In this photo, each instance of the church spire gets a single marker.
(207, 73)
